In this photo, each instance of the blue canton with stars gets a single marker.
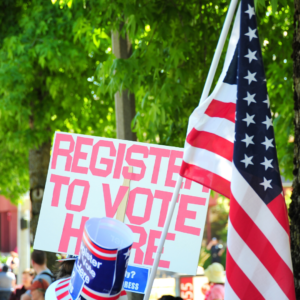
(254, 148)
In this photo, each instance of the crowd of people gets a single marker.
(35, 281)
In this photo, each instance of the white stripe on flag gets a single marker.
(208, 161)
(231, 295)
(227, 93)
(261, 215)
(252, 267)
(218, 126)
(97, 251)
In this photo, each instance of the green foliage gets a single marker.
(173, 45)
(57, 71)
(3, 259)
(48, 56)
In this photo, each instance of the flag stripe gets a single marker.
(68, 279)
(107, 251)
(227, 92)
(95, 252)
(217, 126)
(230, 292)
(221, 109)
(92, 295)
(255, 271)
(206, 178)
(59, 297)
(209, 161)
(265, 220)
(211, 142)
(263, 250)
(279, 211)
(239, 282)
(62, 286)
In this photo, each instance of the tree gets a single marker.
(48, 59)
(295, 204)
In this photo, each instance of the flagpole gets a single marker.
(220, 46)
(163, 237)
(204, 95)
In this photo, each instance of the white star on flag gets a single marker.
(127, 254)
(251, 33)
(250, 11)
(251, 55)
(250, 98)
(266, 184)
(267, 101)
(268, 143)
(247, 160)
(267, 163)
(249, 119)
(248, 140)
(268, 122)
(250, 77)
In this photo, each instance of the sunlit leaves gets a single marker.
(46, 58)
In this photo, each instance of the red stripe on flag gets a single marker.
(62, 295)
(211, 142)
(278, 208)
(98, 255)
(239, 282)
(97, 297)
(62, 286)
(64, 280)
(114, 251)
(221, 109)
(206, 178)
(261, 247)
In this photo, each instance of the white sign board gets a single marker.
(85, 180)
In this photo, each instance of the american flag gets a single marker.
(230, 148)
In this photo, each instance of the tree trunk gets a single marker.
(294, 210)
(125, 108)
(124, 101)
(38, 168)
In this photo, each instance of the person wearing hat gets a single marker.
(65, 266)
(216, 277)
(38, 289)
(100, 267)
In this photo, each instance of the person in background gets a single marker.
(216, 277)
(169, 297)
(27, 277)
(39, 264)
(7, 283)
(38, 289)
(216, 250)
(65, 267)
(13, 262)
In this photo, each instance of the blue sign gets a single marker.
(76, 284)
(136, 279)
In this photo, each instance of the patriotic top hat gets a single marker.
(100, 268)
